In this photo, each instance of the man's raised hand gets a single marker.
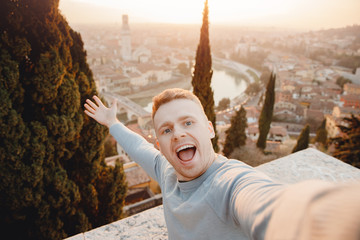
(102, 114)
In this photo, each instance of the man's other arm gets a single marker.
(307, 210)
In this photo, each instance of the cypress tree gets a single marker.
(236, 136)
(201, 79)
(347, 146)
(303, 139)
(53, 180)
(321, 133)
(266, 112)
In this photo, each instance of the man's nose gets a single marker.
(178, 133)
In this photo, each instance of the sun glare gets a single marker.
(293, 13)
(224, 9)
(189, 11)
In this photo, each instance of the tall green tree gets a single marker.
(236, 135)
(266, 112)
(347, 146)
(321, 133)
(201, 79)
(303, 139)
(53, 179)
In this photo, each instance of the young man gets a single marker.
(207, 196)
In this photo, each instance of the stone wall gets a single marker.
(300, 166)
(143, 205)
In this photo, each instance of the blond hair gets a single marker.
(171, 94)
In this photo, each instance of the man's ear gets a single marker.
(211, 129)
(157, 144)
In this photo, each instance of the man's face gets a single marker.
(184, 135)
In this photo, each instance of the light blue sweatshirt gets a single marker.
(231, 200)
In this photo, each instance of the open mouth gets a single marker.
(186, 152)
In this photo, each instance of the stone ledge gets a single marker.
(303, 165)
(149, 224)
(309, 164)
(143, 205)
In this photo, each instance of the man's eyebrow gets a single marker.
(185, 117)
(167, 123)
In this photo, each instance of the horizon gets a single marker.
(295, 14)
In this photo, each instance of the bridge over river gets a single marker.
(125, 105)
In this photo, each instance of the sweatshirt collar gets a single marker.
(195, 183)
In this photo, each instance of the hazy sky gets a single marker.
(304, 14)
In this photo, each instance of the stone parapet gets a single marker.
(143, 205)
(303, 165)
(309, 164)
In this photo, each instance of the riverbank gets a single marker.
(252, 75)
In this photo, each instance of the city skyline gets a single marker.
(295, 14)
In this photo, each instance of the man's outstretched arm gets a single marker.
(133, 144)
(306, 210)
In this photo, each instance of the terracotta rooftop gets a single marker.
(135, 176)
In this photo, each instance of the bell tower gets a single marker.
(125, 39)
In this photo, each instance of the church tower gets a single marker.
(125, 39)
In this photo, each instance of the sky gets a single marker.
(295, 14)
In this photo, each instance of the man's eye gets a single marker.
(188, 123)
(167, 130)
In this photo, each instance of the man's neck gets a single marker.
(210, 163)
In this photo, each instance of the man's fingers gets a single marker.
(89, 109)
(89, 114)
(98, 101)
(93, 105)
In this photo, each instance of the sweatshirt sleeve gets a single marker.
(316, 209)
(254, 198)
(141, 151)
(306, 210)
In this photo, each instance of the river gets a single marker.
(227, 84)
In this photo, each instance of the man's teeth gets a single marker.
(184, 147)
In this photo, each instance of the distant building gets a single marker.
(285, 105)
(323, 74)
(331, 89)
(351, 100)
(283, 114)
(284, 96)
(276, 133)
(223, 118)
(323, 105)
(350, 88)
(141, 55)
(252, 114)
(138, 182)
(242, 49)
(336, 118)
(116, 83)
(125, 39)
(286, 85)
